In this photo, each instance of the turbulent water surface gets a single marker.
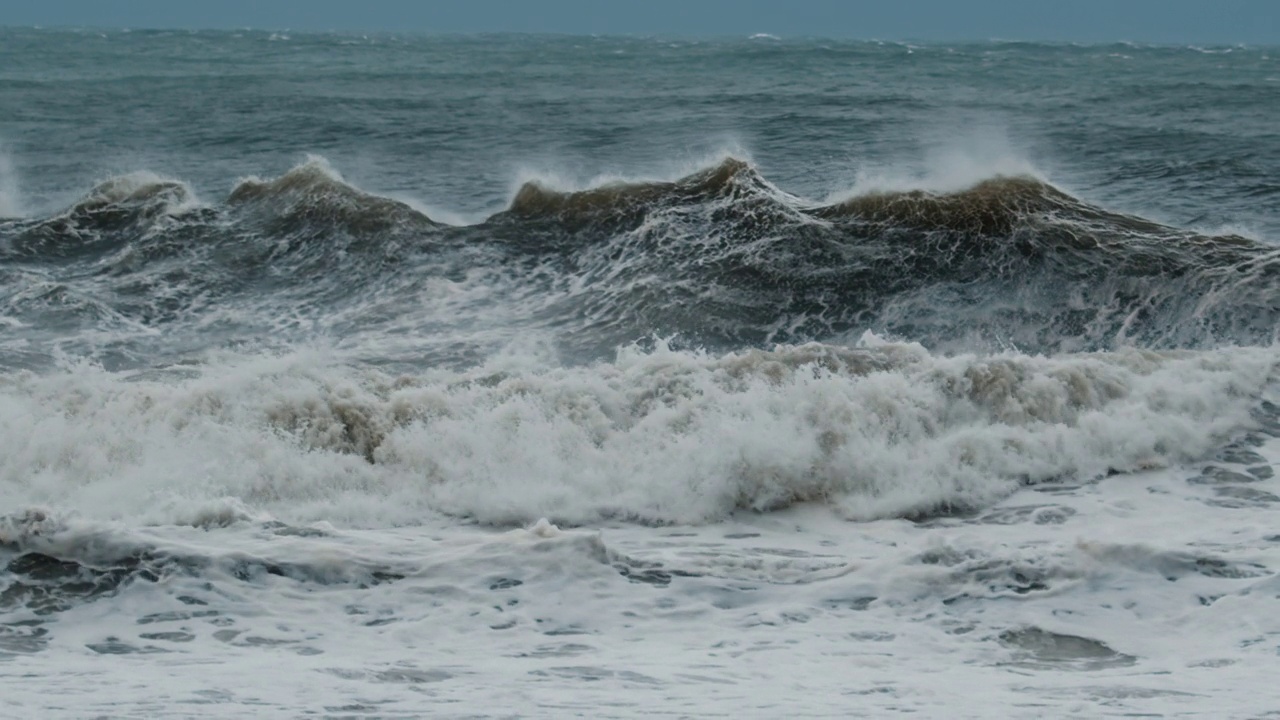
(396, 376)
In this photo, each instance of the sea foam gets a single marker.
(661, 436)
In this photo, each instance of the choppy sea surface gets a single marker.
(508, 376)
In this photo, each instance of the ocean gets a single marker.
(398, 376)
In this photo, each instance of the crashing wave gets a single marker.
(719, 258)
(887, 430)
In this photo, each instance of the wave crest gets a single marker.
(113, 214)
(991, 206)
(313, 195)
(729, 178)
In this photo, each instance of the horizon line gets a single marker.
(762, 35)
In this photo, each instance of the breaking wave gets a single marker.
(664, 436)
(720, 259)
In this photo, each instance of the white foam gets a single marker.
(661, 436)
(1163, 606)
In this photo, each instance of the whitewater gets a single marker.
(397, 376)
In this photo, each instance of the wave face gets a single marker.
(720, 259)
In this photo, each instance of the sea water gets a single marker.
(511, 376)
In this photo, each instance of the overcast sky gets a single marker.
(1254, 22)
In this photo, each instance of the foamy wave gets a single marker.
(816, 272)
(145, 191)
(720, 258)
(660, 437)
(315, 192)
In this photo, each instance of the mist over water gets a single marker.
(348, 353)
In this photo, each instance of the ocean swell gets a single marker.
(720, 259)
